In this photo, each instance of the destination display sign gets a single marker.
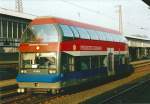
(94, 48)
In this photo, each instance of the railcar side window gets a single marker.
(40, 33)
(104, 36)
(126, 59)
(71, 63)
(94, 62)
(120, 37)
(100, 36)
(116, 61)
(76, 34)
(64, 63)
(123, 59)
(116, 38)
(67, 32)
(67, 62)
(83, 33)
(84, 62)
(93, 34)
(120, 59)
(110, 36)
(97, 35)
(113, 38)
(107, 36)
(102, 60)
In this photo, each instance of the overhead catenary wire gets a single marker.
(81, 7)
(88, 9)
(95, 12)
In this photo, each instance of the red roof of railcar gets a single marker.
(45, 20)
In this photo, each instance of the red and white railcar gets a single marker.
(57, 53)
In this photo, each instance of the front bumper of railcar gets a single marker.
(41, 81)
(38, 71)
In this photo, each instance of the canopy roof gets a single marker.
(45, 20)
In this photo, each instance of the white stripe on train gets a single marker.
(92, 53)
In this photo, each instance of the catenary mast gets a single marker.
(19, 6)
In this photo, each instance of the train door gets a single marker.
(110, 61)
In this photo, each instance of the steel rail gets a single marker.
(140, 83)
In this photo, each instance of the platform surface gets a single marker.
(9, 82)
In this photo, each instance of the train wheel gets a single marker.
(55, 91)
(58, 91)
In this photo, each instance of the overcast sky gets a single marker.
(136, 15)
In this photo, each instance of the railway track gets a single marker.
(14, 98)
(38, 98)
(28, 98)
(9, 64)
(140, 63)
(119, 92)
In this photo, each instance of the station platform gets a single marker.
(8, 87)
(135, 92)
(140, 61)
(9, 82)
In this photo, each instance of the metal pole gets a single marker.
(19, 6)
(120, 19)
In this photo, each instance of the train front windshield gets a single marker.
(40, 33)
(39, 61)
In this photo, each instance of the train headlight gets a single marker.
(18, 90)
(22, 90)
(22, 71)
(25, 71)
(52, 71)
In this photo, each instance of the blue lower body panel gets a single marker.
(50, 78)
(76, 75)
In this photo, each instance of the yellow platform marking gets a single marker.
(8, 82)
(139, 62)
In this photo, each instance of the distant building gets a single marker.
(12, 25)
(139, 47)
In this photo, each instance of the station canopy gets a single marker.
(13, 13)
(147, 2)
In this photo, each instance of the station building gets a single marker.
(12, 25)
(139, 48)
